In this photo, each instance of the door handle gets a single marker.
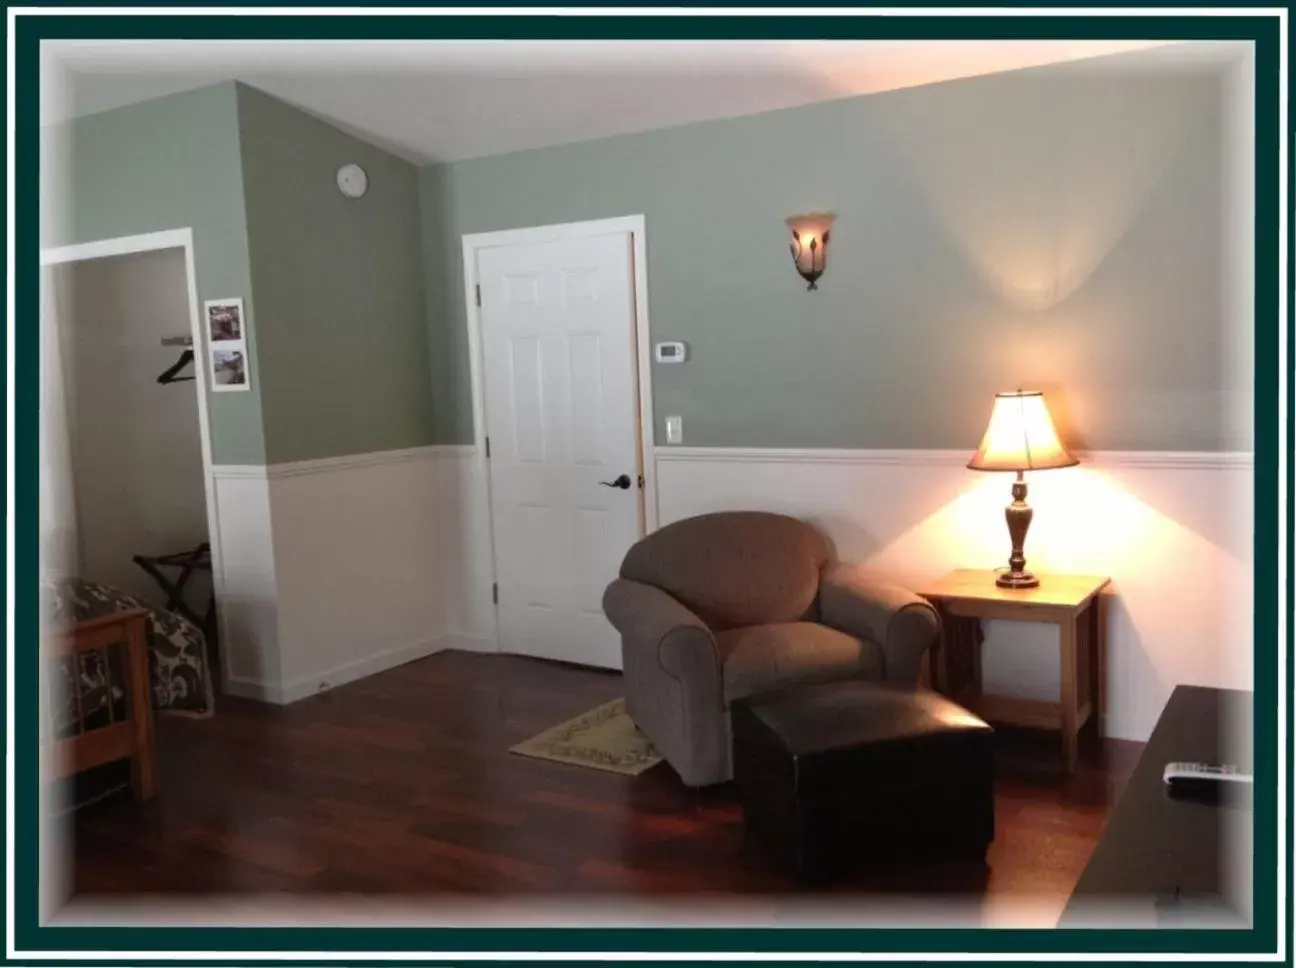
(622, 482)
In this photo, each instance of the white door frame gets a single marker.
(472, 244)
(152, 242)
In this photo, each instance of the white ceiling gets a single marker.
(450, 100)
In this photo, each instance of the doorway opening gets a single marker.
(126, 482)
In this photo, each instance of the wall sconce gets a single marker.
(810, 244)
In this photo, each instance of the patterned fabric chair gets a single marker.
(179, 673)
(715, 608)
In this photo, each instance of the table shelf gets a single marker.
(1074, 603)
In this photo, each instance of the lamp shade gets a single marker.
(1020, 436)
(812, 226)
(810, 234)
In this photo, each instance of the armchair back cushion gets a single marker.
(734, 568)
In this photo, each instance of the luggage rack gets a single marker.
(194, 560)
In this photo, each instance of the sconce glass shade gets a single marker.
(810, 235)
(1021, 436)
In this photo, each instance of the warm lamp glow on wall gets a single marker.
(810, 244)
(1020, 438)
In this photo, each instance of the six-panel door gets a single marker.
(558, 345)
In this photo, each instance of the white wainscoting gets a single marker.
(381, 558)
(464, 529)
(361, 567)
(246, 586)
(1173, 530)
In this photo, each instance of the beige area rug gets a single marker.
(605, 738)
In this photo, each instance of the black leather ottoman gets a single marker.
(847, 774)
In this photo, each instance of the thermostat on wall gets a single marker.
(670, 352)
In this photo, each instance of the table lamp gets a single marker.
(1020, 438)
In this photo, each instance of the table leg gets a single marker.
(956, 667)
(144, 755)
(1098, 625)
(1069, 697)
(936, 654)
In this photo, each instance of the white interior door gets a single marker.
(557, 325)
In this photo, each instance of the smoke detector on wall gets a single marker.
(352, 181)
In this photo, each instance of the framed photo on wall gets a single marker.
(227, 345)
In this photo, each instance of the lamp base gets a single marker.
(1016, 579)
(1019, 516)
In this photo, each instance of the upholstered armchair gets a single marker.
(715, 608)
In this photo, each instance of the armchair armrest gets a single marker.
(902, 623)
(652, 621)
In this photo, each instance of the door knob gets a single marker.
(622, 482)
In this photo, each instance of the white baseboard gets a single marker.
(370, 665)
(251, 689)
(329, 679)
(468, 643)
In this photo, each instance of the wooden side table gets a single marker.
(1075, 603)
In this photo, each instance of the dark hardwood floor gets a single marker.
(402, 783)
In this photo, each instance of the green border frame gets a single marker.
(1264, 31)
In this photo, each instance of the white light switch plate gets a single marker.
(674, 430)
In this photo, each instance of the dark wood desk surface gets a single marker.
(1160, 855)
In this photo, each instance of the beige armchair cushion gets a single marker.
(765, 657)
(734, 569)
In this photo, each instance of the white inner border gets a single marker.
(1282, 912)
(632, 225)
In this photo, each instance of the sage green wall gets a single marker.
(165, 164)
(338, 282)
(1059, 228)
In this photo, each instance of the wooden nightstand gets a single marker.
(1075, 603)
